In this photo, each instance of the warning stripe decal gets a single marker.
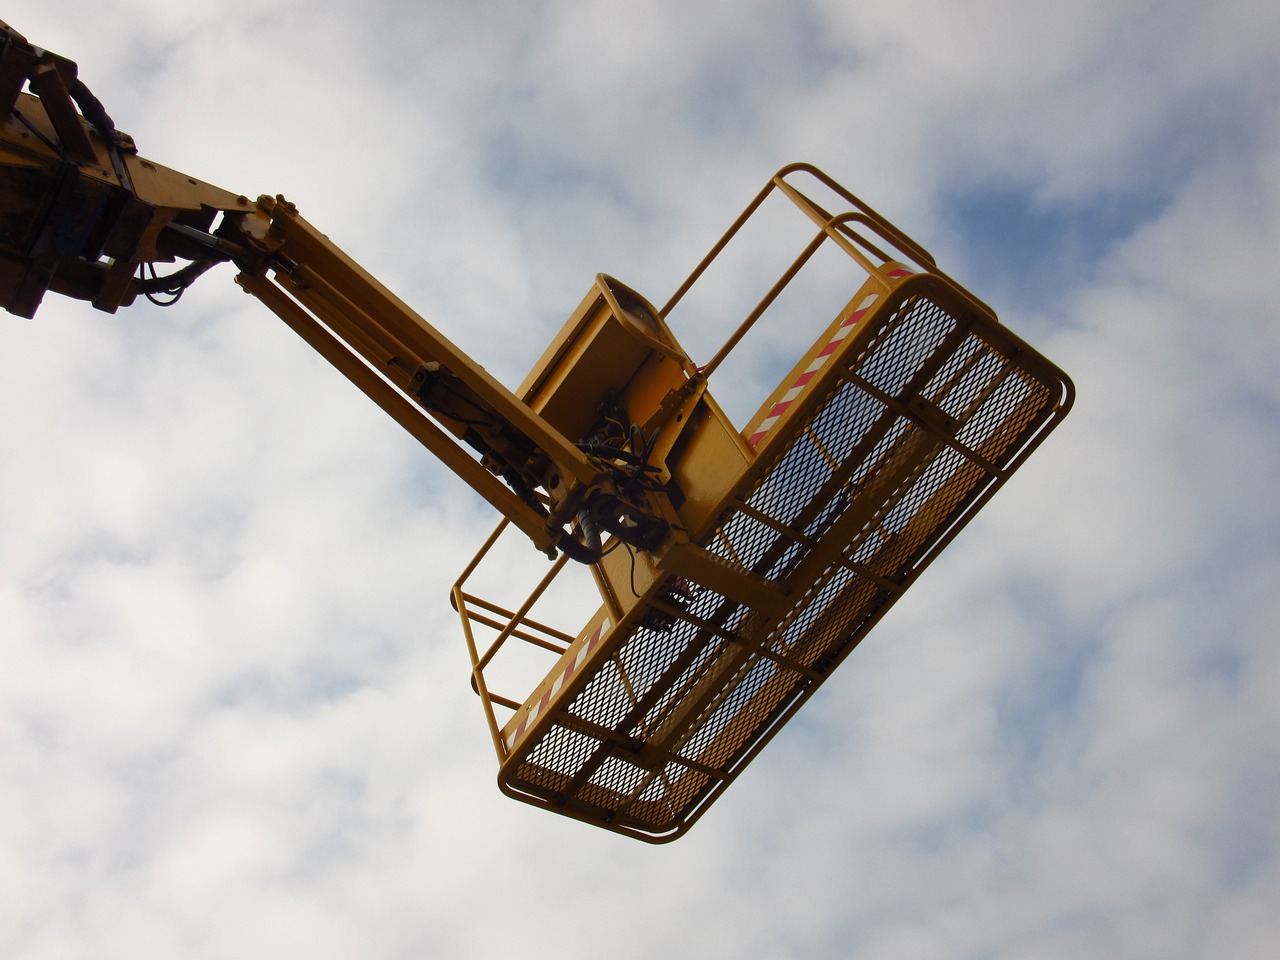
(569, 670)
(842, 332)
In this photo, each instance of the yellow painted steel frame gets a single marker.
(379, 343)
(910, 410)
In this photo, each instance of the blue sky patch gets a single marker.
(1009, 240)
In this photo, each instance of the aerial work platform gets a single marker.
(794, 534)
(727, 554)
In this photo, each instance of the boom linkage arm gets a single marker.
(409, 369)
(81, 214)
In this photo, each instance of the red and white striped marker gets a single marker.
(570, 668)
(820, 361)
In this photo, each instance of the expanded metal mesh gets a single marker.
(905, 437)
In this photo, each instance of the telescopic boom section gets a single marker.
(530, 472)
(83, 215)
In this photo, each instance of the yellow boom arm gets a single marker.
(81, 214)
(754, 558)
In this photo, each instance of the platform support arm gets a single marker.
(410, 416)
(82, 215)
(526, 469)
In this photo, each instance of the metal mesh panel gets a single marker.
(606, 698)
(684, 786)
(799, 473)
(924, 506)
(630, 694)
(961, 381)
(645, 656)
(745, 703)
(614, 784)
(913, 335)
(1009, 410)
(555, 757)
(825, 616)
(680, 683)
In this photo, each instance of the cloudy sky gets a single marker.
(234, 712)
